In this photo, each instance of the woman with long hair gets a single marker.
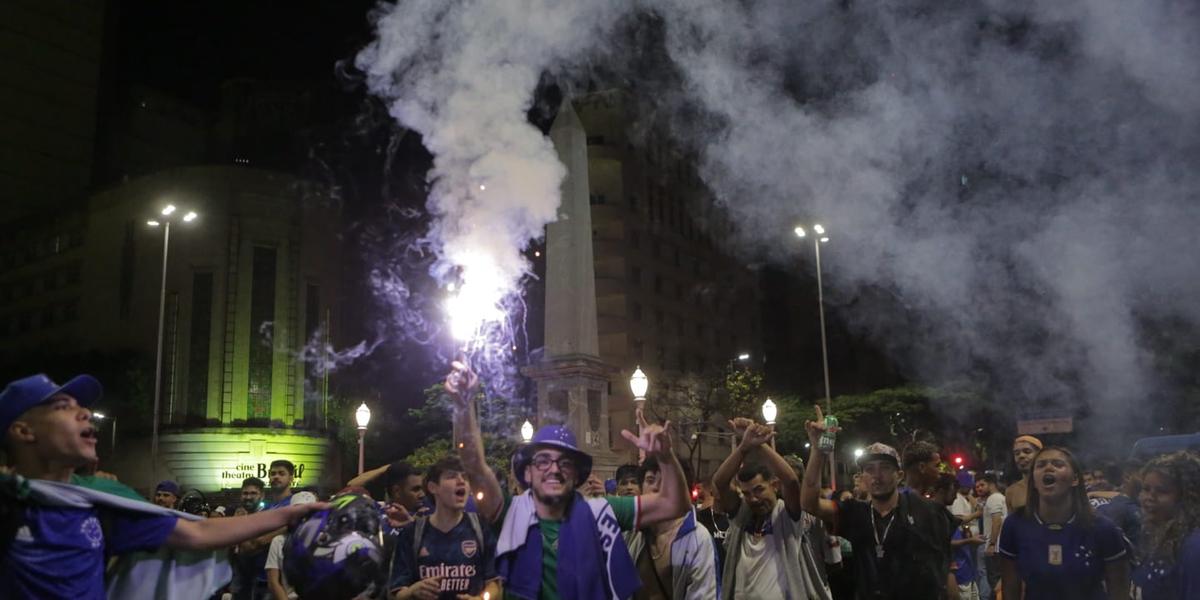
(1169, 568)
(1055, 547)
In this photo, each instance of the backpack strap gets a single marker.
(418, 530)
(474, 519)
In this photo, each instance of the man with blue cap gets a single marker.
(57, 534)
(166, 494)
(553, 542)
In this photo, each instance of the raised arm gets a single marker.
(210, 534)
(810, 489)
(728, 499)
(460, 386)
(362, 479)
(759, 437)
(672, 500)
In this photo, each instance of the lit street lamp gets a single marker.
(858, 452)
(820, 231)
(167, 213)
(639, 384)
(769, 412)
(526, 432)
(817, 241)
(362, 416)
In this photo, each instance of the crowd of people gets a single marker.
(762, 526)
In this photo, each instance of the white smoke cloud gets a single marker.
(463, 74)
(1020, 178)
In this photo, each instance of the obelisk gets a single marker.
(572, 382)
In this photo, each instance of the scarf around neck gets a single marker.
(593, 562)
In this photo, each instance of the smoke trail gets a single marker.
(1023, 180)
(1010, 186)
(462, 74)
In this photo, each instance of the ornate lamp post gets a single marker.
(362, 416)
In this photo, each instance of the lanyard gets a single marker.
(875, 531)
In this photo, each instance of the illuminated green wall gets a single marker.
(220, 458)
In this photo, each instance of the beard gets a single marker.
(562, 499)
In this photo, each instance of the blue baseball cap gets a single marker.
(168, 486)
(559, 438)
(24, 394)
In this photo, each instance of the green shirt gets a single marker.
(625, 508)
(110, 486)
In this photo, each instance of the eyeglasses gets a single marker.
(542, 462)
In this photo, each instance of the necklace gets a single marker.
(716, 522)
(875, 531)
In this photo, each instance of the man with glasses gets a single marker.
(553, 542)
(901, 541)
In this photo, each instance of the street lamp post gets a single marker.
(639, 384)
(167, 213)
(770, 411)
(526, 432)
(362, 416)
(819, 239)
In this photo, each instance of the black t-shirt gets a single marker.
(915, 540)
(717, 524)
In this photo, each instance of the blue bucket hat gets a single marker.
(559, 438)
(24, 394)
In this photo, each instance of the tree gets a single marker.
(897, 416)
(698, 404)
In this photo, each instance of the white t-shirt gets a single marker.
(275, 561)
(961, 508)
(994, 505)
(757, 569)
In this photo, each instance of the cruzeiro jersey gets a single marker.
(463, 562)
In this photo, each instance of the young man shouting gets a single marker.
(449, 554)
(59, 550)
(553, 542)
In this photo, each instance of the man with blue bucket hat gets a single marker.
(553, 542)
(55, 536)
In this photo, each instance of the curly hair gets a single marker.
(1182, 469)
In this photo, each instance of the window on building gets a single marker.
(633, 202)
(199, 343)
(639, 350)
(658, 284)
(262, 318)
(595, 199)
(658, 317)
(637, 311)
(635, 276)
(593, 409)
(635, 240)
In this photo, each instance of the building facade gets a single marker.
(252, 287)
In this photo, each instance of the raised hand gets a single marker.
(816, 428)
(654, 439)
(397, 515)
(757, 435)
(461, 382)
(741, 424)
